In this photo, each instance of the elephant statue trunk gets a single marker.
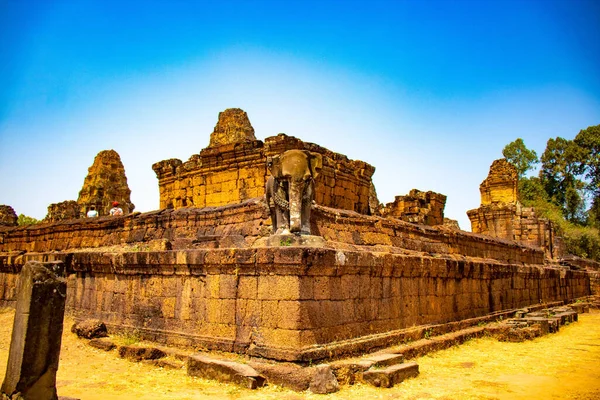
(290, 190)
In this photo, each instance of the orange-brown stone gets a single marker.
(426, 208)
(233, 169)
(68, 209)
(8, 216)
(233, 127)
(502, 215)
(105, 183)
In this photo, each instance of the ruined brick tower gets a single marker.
(502, 215)
(233, 126)
(106, 182)
(233, 168)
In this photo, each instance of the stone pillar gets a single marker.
(37, 332)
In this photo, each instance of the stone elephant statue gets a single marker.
(290, 190)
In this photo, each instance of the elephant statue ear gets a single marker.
(316, 164)
(274, 166)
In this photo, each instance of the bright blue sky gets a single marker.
(428, 91)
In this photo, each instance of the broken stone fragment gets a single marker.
(102, 344)
(324, 381)
(136, 353)
(90, 329)
(391, 376)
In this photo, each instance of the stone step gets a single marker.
(224, 371)
(390, 376)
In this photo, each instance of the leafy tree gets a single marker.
(23, 220)
(561, 167)
(520, 156)
(531, 189)
(588, 141)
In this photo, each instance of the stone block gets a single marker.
(102, 344)
(137, 353)
(224, 371)
(391, 376)
(324, 381)
(90, 329)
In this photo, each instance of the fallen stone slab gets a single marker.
(391, 376)
(385, 359)
(324, 381)
(517, 335)
(544, 323)
(90, 329)
(138, 353)
(580, 308)
(288, 375)
(102, 344)
(567, 317)
(224, 371)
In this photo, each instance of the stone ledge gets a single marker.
(391, 376)
(224, 371)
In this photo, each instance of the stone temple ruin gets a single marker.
(221, 267)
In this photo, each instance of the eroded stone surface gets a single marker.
(105, 183)
(68, 209)
(233, 127)
(502, 216)
(235, 170)
(8, 216)
(501, 184)
(37, 332)
(90, 329)
(392, 375)
(102, 344)
(139, 353)
(324, 381)
(426, 208)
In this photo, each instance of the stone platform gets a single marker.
(292, 303)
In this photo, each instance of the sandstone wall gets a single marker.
(182, 228)
(234, 172)
(292, 303)
(241, 224)
(515, 222)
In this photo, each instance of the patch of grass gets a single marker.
(128, 338)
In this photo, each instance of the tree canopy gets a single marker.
(520, 156)
(567, 188)
(23, 220)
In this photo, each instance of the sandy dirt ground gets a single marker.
(565, 365)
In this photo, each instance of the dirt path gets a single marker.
(565, 365)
